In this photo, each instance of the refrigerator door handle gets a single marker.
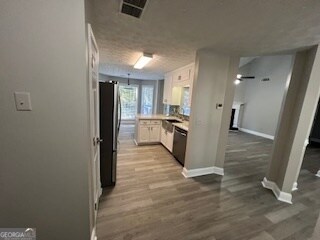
(115, 116)
(119, 123)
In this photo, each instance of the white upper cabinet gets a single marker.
(171, 94)
(167, 89)
(182, 76)
(175, 81)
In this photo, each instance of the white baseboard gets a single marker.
(281, 196)
(93, 234)
(318, 174)
(295, 186)
(257, 133)
(202, 171)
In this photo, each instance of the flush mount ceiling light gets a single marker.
(143, 60)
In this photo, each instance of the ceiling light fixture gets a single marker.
(237, 81)
(143, 60)
(239, 76)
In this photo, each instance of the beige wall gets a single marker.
(44, 153)
(213, 83)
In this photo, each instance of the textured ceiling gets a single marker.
(174, 29)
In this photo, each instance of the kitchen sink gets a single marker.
(173, 120)
(167, 124)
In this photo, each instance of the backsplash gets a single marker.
(173, 110)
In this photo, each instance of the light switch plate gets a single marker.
(23, 101)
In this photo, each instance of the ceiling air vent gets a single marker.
(133, 8)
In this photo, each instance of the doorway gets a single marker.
(259, 92)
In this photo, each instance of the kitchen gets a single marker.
(171, 128)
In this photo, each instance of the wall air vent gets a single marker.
(265, 79)
(133, 8)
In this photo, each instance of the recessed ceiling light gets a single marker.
(143, 60)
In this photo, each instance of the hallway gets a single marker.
(152, 200)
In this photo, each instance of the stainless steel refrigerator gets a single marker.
(110, 119)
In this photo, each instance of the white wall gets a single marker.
(44, 153)
(263, 100)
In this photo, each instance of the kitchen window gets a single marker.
(147, 99)
(129, 101)
(185, 100)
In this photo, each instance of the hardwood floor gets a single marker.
(152, 200)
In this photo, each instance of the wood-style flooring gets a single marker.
(152, 200)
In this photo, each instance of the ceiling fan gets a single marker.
(240, 78)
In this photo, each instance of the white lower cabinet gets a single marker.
(170, 141)
(163, 137)
(154, 133)
(150, 131)
(147, 131)
(167, 139)
(144, 134)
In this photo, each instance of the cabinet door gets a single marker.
(167, 89)
(163, 137)
(169, 141)
(182, 76)
(154, 133)
(144, 134)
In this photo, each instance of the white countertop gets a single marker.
(183, 125)
(154, 116)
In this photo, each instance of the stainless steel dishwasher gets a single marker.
(179, 144)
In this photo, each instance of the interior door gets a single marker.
(93, 61)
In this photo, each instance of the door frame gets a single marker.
(93, 93)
